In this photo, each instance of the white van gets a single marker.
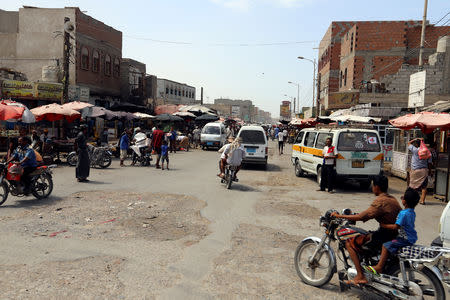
(213, 135)
(254, 141)
(360, 154)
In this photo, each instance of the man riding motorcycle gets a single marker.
(232, 154)
(384, 209)
(25, 156)
(140, 142)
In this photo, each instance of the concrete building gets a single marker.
(351, 54)
(151, 90)
(132, 88)
(172, 92)
(243, 109)
(32, 39)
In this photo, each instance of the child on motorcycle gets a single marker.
(407, 235)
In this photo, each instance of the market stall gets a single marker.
(434, 128)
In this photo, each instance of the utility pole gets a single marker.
(318, 108)
(314, 88)
(66, 60)
(422, 36)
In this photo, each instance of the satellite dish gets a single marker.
(69, 27)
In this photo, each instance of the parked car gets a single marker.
(254, 141)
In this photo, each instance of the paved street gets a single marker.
(143, 233)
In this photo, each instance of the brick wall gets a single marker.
(107, 42)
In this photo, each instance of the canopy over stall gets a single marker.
(55, 112)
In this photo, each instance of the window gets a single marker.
(299, 138)
(309, 139)
(183, 93)
(252, 137)
(179, 92)
(116, 67)
(345, 77)
(340, 80)
(211, 130)
(95, 61)
(84, 58)
(358, 141)
(322, 138)
(193, 96)
(171, 91)
(167, 90)
(351, 44)
(107, 65)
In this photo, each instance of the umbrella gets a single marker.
(184, 114)
(8, 112)
(77, 105)
(426, 121)
(55, 112)
(200, 109)
(97, 111)
(207, 117)
(143, 116)
(167, 117)
(126, 115)
(166, 109)
(27, 115)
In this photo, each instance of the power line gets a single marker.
(448, 13)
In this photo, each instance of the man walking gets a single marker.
(158, 137)
(329, 160)
(124, 145)
(83, 163)
(280, 138)
(173, 140)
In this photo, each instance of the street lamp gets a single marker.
(298, 95)
(314, 82)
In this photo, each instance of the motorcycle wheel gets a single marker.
(42, 186)
(4, 191)
(72, 159)
(317, 273)
(429, 283)
(229, 181)
(105, 161)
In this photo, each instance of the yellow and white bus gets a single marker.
(360, 155)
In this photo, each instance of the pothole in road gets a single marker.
(75, 279)
(295, 209)
(119, 215)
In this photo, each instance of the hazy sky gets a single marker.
(218, 42)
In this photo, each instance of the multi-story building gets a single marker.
(243, 109)
(132, 89)
(354, 54)
(33, 39)
(172, 92)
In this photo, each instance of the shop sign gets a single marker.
(342, 100)
(16, 88)
(285, 111)
(9, 133)
(235, 110)
(53, 91)
(78, 93)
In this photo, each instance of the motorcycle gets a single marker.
(98, 156)
(411, 274)
(141, 155)
(41, 182)
(230, 176)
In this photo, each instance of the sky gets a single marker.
(238, 49)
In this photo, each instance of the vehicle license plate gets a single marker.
(209, 143)
(357, 164)
(251, 150)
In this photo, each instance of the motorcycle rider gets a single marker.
(384, 209)
(25, 156)
(232, 154)
(140, 142)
